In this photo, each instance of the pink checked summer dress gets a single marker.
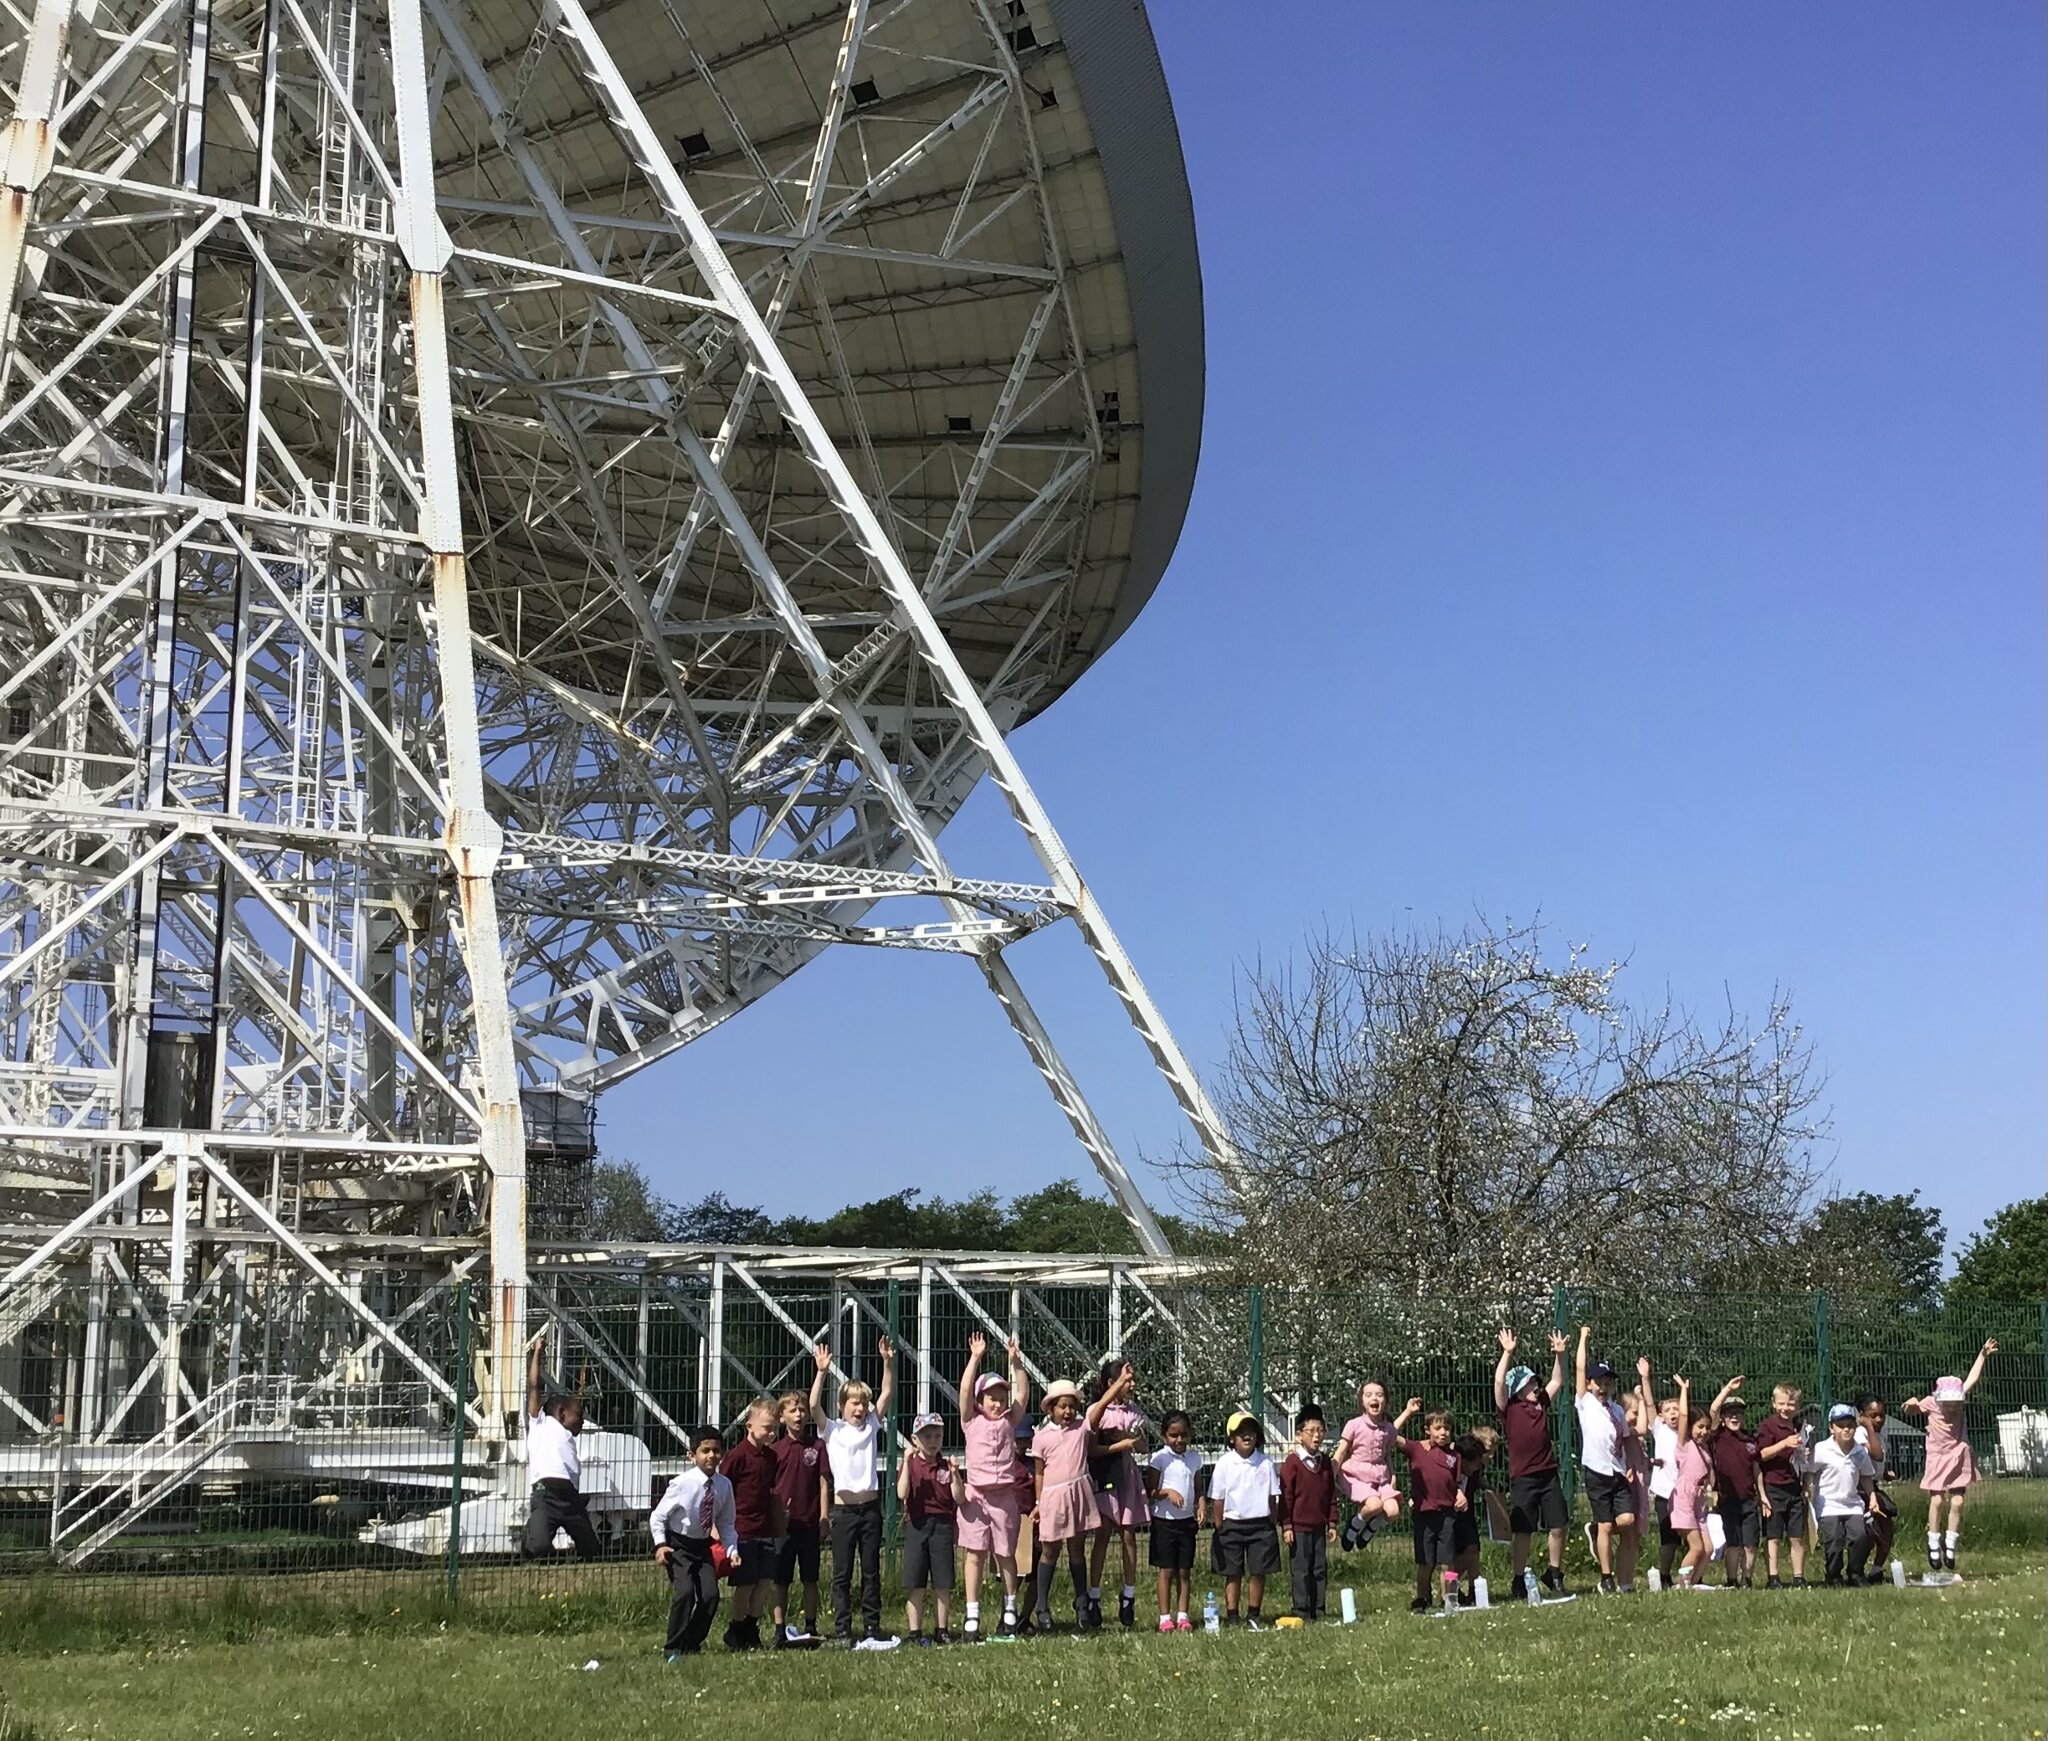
(1123, 1506)
(1067, 1507)
(1366, 1472)
(1951, 1464)
(990, 1514)
(1689, 1496)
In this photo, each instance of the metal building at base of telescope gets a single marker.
(519, 526)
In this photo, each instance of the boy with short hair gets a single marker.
(1308, 1512)
(1732, 1450)
(1242, 1502)
(554, 1470)
(758, 1516)
(1844, 1497)
(695, 1510)
(1781, 1456)
(1535, 1489)
(1603, 1461)
(852, 1450)
(1436, 1496)
(800, 1485)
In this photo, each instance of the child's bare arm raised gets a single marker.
(1579, 1361)
(1977, 1366)
(1020, 1381)
(1508, 1344)
(1118, 1388)
(1643, 1391)
(886, 1351)
(822, 1354)
(1409, 1410)
(977, 1345)
(1556, 1384)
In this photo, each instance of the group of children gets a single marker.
(1093, 1469)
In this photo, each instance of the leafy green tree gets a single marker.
(2006, 1258)
(624, 1206)
(1867, 1243)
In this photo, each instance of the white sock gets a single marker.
(974, 1611)
(1951, 1541)
(1934, 1538)
(1009, 1602)
(1131, 1590)
(1182, 1615)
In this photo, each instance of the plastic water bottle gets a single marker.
(1532, 1592)
(1656, 1581)
(1450, 1590)
(1898, 1574)
(1348, 1603)
(1479, 1596)
(1212, 1619)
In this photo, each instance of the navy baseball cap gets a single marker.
(1599, 1369)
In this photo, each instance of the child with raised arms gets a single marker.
(852, 1452)
(1737, 1501)
(1951, 1465)
(1243, 1502)
(1535, 1485)
(1173, 1478)
(1066, 1499)
(1692, 1478)
(1603, 1462)
(992, 1413)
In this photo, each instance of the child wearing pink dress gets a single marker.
(1067, 1511)
(1690, 1501)
(990, 1515)
(1951, 1464)
(1119, 1486)
(1362, 1456)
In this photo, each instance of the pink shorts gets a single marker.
(1362, 1491)
(988, 1520)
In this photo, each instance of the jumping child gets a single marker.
(1173, 1477)
(694, 1511)
(1308, 1512)
(1066, 1501)
(1535, 1489)
(1119, 1486)
(930, 1489)
(851, 1446)
(1951, 1465)
(1243, 1502)
(1364, 1460)
(990, 1515)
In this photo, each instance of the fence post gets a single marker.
(1561, 1406)
(1258, 1356)
(890, 1522)
(1821, 1356)
(461, 1434)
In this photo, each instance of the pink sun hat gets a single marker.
(987, 1382)
(1948, 1389)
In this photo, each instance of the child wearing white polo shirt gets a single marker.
(851, 1445)
(1844, 1496)
(1243, 1503)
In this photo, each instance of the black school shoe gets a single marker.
(1798, 1584)
(1090, 1617)
(1421, 1605)
(1127, 1611)
(1948, 1558)
(1773, 1583)
(1933, 1558)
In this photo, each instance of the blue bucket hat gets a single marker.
(1518, 1380)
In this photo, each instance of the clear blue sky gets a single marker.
(1622, 495)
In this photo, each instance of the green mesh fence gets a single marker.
(270, 1441)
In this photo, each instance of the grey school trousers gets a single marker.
(1309, 1563)
(1846, 1543)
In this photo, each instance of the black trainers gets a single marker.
(1127, 1611)
(1798, 1583)
(942, 1636)
(1089, 1619)
(1608, 1587)
(1553, 1580)
(1019, 1625)
(1421, 1605)
(1774, 1582)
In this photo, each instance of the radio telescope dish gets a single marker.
(522, 523)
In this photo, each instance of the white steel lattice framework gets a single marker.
(519, 525)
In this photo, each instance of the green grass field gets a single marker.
(1966, 1661)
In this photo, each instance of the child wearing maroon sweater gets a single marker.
(1436, 1496)
(800, 1485)
(1308, 1512)
(758, 1518)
